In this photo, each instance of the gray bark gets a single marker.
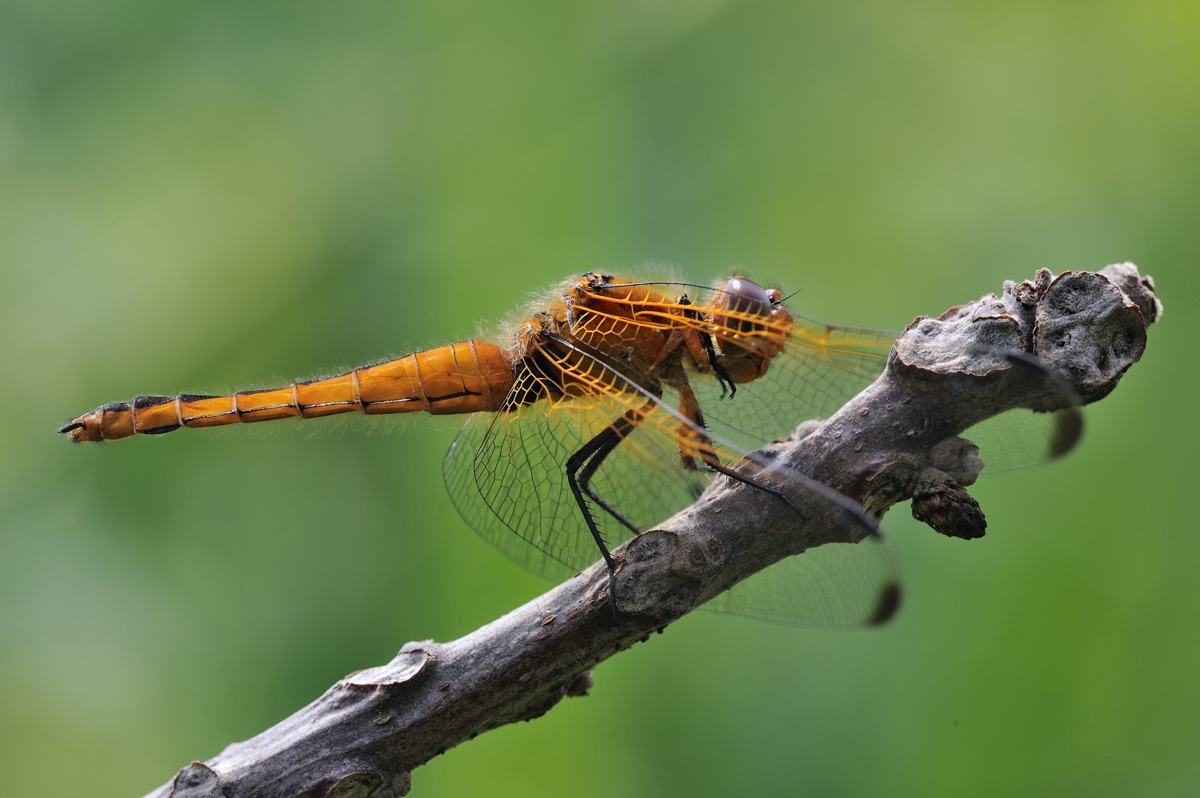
(1074, 335)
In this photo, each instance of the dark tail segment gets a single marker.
(465, 377)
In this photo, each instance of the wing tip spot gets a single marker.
(887, 604)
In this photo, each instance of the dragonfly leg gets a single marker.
(711, 360)
(585, 476)
(581, 467)
(710, 354)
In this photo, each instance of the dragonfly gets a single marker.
(607, 407)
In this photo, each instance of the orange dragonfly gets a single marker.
(604, 411)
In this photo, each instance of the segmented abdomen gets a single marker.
(466, 377)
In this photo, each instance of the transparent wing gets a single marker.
(506, 475)
(834, 586)
(816, 366)
(1027, 437)
(1022, 438)
(819, 369)
(821, 366)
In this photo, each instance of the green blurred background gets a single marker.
(221, 195)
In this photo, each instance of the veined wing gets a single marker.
(834, 586)
(819, 369)
(507, 477)
(506, 474)
(823, 365)
(816, 368)
(820, 366)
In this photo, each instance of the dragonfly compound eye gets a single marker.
(749, 326)
(746, 296)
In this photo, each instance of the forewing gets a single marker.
(820, 368)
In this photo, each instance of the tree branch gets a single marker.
(897, 440)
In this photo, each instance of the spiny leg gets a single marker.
(710, 353)
(581, 467)
(613, 434)
(726, 382)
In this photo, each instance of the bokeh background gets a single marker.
(222, 195)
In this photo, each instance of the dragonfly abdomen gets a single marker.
(465, 377)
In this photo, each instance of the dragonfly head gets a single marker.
(750, 327)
